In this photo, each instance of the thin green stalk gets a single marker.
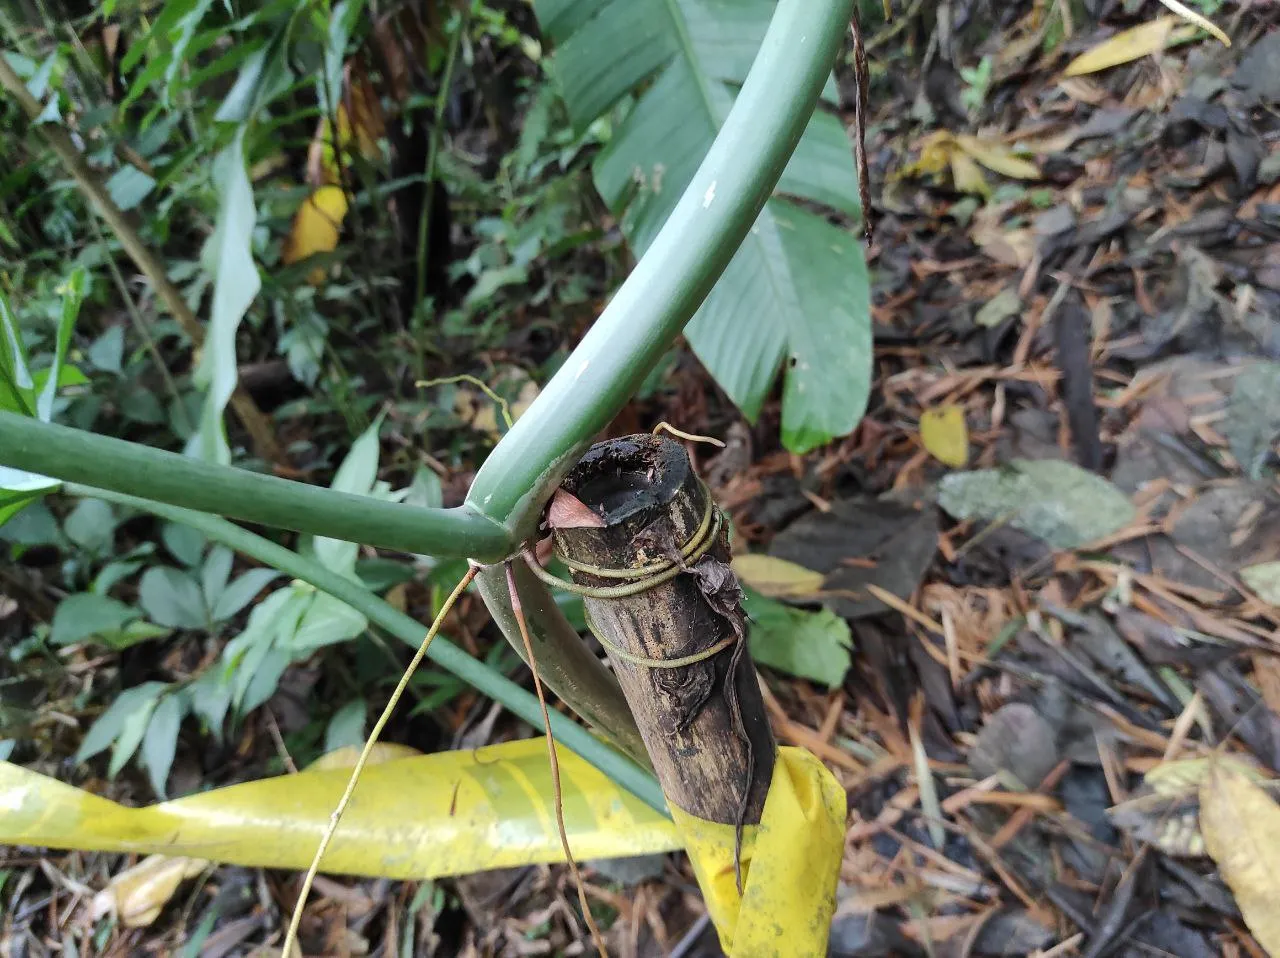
(676, 272)
(445, 654)
(124, 467)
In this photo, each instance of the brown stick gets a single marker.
(710, 741)
(255, 421)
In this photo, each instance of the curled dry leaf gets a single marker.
(777, 578)
(1241, 827)
(567, 511)
(138, 894)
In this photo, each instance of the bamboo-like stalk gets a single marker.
(255, 421)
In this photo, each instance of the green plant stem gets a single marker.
(443, 653)
(255, 421)
(676, 272)
(124, 467)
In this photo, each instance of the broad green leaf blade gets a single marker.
(172, 598)
(422, 817)
(86, 614)
(235, 284)
(161, 741)
(796, 296)
(326, 622)
(111, 722)
(811, 645)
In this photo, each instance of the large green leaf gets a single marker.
(229, 257)
(796, 294)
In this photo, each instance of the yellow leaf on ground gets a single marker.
(1241, 828)
(1129, 45)
(137, 895)
(967, 176)
(944, 433)
(998, 158)
(777, 578)
(315, 228)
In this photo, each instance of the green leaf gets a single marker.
(182, 41)
(107, 351)
(129, 186)
(1055, 501)
(811, 645)
(241, 592)
(110, 723)
(91, 525)
(235, 284)
(347, 726)
(215, 573)
(183, 542)
(356, 475)
(210, 699)
(796, 295)
(161, 741)
(19, 489)
(171, 11)
(326, 622)
(132, 731)
(172, 598)
(341, 22)
(264, 74)
(86, 614)
(17, 388)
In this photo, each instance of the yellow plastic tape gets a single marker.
(790, 863)
(450, 813)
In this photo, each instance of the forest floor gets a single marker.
(1099, 337)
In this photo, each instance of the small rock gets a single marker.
(632, 871)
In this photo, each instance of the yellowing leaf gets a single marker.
(967, 176)
(944, 433)
(417, 817)
(998, 158)
(776, 578)
(138, 894)
(1241, 828)
(315, 228)
(1129, 45)
(935, 156)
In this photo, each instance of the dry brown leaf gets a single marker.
(777, 578)
(138, 894)
(1129, 45)
(1241, 828)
